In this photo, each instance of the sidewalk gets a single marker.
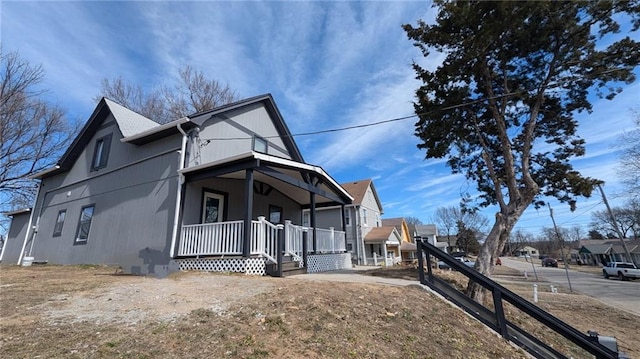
(356, 275)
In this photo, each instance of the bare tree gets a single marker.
(33, 132)
(627, 218)
(629, 167)
(413, 221)
(445, 219)
(194, 93)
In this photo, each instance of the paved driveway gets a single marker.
(623, 294)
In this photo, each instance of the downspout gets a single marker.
(176, 217)
(29, 227)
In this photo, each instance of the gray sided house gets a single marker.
(368, 243)
(211, 191)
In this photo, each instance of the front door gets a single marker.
(212, 207)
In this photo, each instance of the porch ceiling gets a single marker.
(294, 179)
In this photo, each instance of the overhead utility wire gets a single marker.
(369, 124)
(398, 118)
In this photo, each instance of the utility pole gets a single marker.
(615, 226)
(564, 260)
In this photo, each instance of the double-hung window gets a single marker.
(101, 152)
(57, 229)
(84, 224)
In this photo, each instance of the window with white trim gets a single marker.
(364, 215)
(347, 217)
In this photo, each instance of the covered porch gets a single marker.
(242, 206)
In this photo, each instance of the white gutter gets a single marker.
(176, 217)
(157, 129)
(44, 172)
(26, 236)
(12, 213)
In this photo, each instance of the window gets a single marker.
(347, 217)
(305, 219)
(260, 144)
(84, 224)
(213, 204)
(275, 214)
(364, 215)
(101, 152)
(349, 247)
(57, 229)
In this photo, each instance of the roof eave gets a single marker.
(145, 136)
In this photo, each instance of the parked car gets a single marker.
(550, 262)
(469, 263)
(621, 270)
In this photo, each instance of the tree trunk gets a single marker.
(492, 247)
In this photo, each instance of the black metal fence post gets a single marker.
(420, 253)
(499, 311)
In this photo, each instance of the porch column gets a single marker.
(385, 252)
(344, 226)
(248, 212)
(312, 199)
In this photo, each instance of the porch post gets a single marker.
(344, 226)
(248, 212)
(312, 198)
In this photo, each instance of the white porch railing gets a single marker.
(330, 241)
(226, 238)
(265, 238)
(221, 238)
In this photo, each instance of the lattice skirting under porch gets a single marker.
(328, 262)
(249, 266)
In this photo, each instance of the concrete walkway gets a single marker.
(356, 275)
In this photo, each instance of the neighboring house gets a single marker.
(360, 217)
(429, 233)
(449, 242)
(202, 192)
(527, 251)
(609, 251)
(407, 245)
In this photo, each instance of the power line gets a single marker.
(339, 129)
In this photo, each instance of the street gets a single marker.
(622, 294)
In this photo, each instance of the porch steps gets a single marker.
(288, 268)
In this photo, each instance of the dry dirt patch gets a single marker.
(78, 312)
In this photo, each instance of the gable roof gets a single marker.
(426, 230)
(395, 222)
(357, 190)
(127, 120)
(381, 235)
(272, 110)
(138, 129)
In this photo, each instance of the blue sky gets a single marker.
(327, 64)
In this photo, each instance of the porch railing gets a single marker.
(265, 238)
(220, 238)
(226, 238)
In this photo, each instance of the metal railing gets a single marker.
(496, 319)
